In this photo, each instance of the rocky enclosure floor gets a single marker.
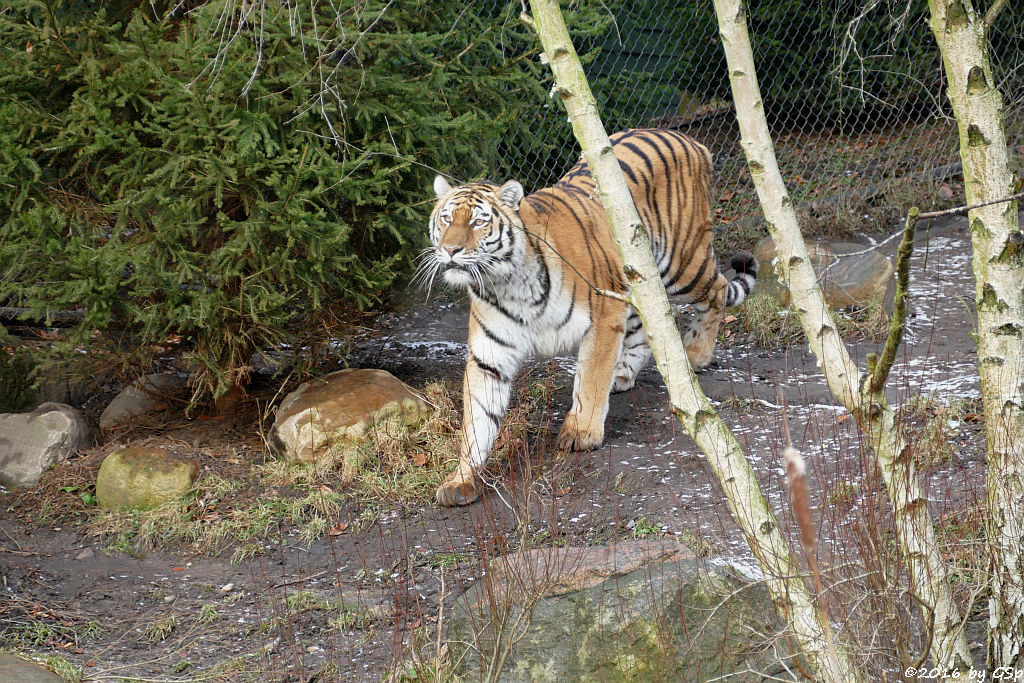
(357, 604)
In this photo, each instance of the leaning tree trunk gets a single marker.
(688, 402)
(999, 295)
(862, 395)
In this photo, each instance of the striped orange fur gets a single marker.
(531, 265)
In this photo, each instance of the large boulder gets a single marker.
(645, 610)
(150, 394)
(143, 478)
(851, 275)
(338, 406)
(31, 443)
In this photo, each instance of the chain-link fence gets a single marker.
(853, 92)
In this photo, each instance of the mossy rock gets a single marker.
(637, 611)
(143, 478)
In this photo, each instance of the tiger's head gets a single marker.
(476, 233)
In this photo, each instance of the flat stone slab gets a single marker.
(17, 670)
(636, 610)
(851, 275)
(31, 443)
(338, 406)
(143, 478)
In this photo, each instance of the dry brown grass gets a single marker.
(766, 323)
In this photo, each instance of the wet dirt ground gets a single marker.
(399, 573)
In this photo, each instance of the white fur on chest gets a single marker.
(550, 337)
(549, 332)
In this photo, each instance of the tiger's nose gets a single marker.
(452, 251)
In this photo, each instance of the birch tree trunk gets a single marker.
(999, 296)
(910, 511)
(688, 403)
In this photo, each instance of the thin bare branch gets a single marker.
(964, 209)
(899, 314)
(993, 13)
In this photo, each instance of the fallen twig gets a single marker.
(302, 579)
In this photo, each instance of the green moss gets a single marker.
(990, 301)
(1013, 250)
(956, 15)
(976, 81)
(979, 229)
(975, 138)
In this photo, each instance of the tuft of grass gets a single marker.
(642, 528)
(767, 323)
(425, 658)
(932, 428)
(447, 560)
(305, 601)
(350, 620)
(65, 668)
(870, 322)
(38, 633)
(738, 404)
(329, 671)
(627, 481)
(159, 630)
(208, 613)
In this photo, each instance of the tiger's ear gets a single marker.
(441, 186)
(511, 193)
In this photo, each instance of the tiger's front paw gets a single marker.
(577, 436)
(460, 488)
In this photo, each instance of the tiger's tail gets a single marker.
(742, 283)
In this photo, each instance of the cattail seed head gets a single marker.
(796, 480)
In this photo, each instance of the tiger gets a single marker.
(532, 266)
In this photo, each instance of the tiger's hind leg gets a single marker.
(634, 356)
(583, 429)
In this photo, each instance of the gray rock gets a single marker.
(149, 394)
(341, 405)
(143, 478)
(849, 275)
(14, 668)
(635, 611)
(31, 443)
